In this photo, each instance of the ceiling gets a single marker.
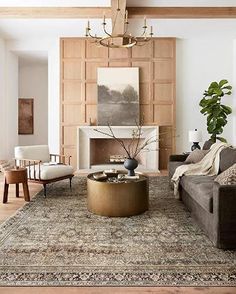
(26, 29)
(99, 3)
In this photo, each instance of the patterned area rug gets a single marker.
(56, 241)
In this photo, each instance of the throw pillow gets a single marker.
(196, 156)
(227, 177)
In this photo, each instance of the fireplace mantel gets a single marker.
(86, 133)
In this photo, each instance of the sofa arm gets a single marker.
(224, 210)
(178, 157)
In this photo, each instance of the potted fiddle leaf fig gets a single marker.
(213, 108)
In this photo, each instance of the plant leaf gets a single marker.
(221, 139)
(223, 82)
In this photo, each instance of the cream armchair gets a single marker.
(43, 167)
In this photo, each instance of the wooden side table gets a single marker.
(16, 176)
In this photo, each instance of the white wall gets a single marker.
(8, 101)
(199, 62)
(52, 47)
(2, 100)
(33, 83)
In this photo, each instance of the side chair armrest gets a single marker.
(25, 162)
(61, 157)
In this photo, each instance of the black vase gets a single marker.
(130, 164)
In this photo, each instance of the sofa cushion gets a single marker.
(227, 177)
(48, 172)
(200, 188)
(196, 156)
(36, 152)
(227, 158)
(207, 145)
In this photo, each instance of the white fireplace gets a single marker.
(88, 138)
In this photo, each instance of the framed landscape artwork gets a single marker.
(25, 116)
(118, 96)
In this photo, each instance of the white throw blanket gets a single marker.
(209, 165)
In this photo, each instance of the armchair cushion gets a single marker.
(48, 172)
(36, 152)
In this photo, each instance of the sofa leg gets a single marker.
(45, 190)
(70, 183)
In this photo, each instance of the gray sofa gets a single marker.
(213, 206)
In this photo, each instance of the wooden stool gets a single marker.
(16, 176)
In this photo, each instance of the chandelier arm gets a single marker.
(93, 36)
(106, 32)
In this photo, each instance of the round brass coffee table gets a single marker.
(117, 198)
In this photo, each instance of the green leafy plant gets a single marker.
(216, 111)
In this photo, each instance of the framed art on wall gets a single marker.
(118, 96)
(25, 116)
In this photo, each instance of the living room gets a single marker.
(102, 103)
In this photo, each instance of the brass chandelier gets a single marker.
(120, 40)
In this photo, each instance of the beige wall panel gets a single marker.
(72, 91)
(144, 51)
(145, 114)
(163, 48)
(71, 152)
(166, 137)
(80, 60)
(91, 114)
(119, 64)
(94, 51)
(164, 92)
(69, 135)
(73, 114)
(163, 70)
(144, 93)
(164, 158)
(72, 70)
(163, 114)
(91, 70)
(144, 70)
(119, 53)
(73, 48)
(91, 93)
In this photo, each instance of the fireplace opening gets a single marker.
(103, 151)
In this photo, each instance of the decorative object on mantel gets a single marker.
(133, 148)
(120, 37)
(195, 136)
(216, 111)
(117, 158)
(118, 95)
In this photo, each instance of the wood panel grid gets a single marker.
(80, 59)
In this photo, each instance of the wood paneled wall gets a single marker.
(80, 59)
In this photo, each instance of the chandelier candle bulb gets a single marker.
(126, 16)
(88, 24)
(145, 22)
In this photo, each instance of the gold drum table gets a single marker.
(118, 198)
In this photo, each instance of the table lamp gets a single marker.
(195, 137)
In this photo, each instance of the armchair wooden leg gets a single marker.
(70, 183)
(45, 190)
(5, 194)
(26, 192)
(17, 190)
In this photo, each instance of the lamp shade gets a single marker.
(195, 136)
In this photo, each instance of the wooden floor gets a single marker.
(117, 290)
(8, 209)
